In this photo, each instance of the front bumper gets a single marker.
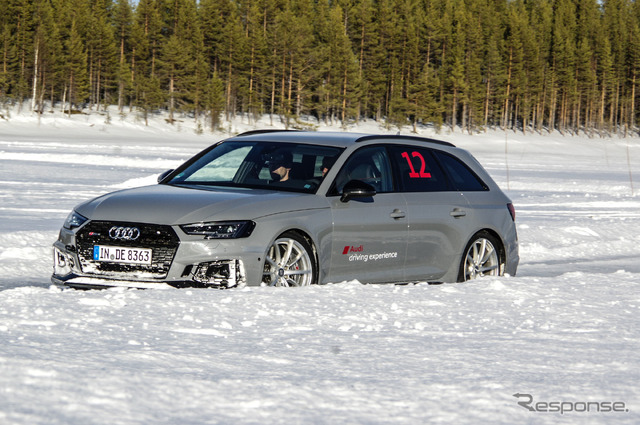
(217, 274)
(194, 262)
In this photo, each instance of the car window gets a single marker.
(261, 165)
(418, 171)
(460, 174)
(224, 167)
(370, 165)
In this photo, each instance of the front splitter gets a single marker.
(94, 283)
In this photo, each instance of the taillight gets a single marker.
(512, 211)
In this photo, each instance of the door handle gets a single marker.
(396, 214)
(457, 213)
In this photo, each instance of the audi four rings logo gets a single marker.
(124, 233)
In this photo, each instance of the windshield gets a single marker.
(260, 165)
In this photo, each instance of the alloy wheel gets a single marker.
(481, 259)
(288, 263)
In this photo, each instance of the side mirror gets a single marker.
(164, 175)
(357, 189)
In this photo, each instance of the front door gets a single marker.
(369, 234)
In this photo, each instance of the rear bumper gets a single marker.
(512, 254)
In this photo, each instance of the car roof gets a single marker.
(328, 138)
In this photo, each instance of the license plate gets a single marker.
(118, 254)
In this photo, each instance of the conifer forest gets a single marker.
(525, 65)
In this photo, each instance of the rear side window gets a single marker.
(461, 176)
(418, 171)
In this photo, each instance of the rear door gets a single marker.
(437, 213)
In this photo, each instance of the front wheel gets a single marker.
(481, 258)
(289, 262)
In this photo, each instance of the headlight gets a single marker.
(74, 220)
(220, 229)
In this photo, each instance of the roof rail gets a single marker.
(251, 132)
(403, 137)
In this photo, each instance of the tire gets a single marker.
(482, 257)
(290, 262)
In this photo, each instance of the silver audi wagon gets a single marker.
(292, 208)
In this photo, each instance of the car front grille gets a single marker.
(161, 239)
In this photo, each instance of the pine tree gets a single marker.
(47, 49)
(6, 48)
(587, 33)
(487, 38)
(230, 49)
(629, 82)
(5, 54)
(360, 30)
(122, 22)
(564, 62)
(410, 18)
(22, 11)
(347, 68)
(474, 93)
(183, 69)
(425, 91)
(605, 78)
(256, 17)
(634, 66)
(454, 60)
(77, 81)
(615, 25)
(291, 59)
(200, 68)
(515, 52)
(213, 14)
(147, 41)
(541, 77)
(374, 60)
(102, 50)
(215, 100)
(340, 79)
(176, 69)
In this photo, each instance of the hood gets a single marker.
(173, 205)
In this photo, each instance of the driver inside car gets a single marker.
(280, 166)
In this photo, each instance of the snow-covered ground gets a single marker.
(565, 332)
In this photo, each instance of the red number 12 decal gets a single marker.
(423, 165)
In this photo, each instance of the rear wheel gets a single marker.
(289, 262)
(482, 257)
